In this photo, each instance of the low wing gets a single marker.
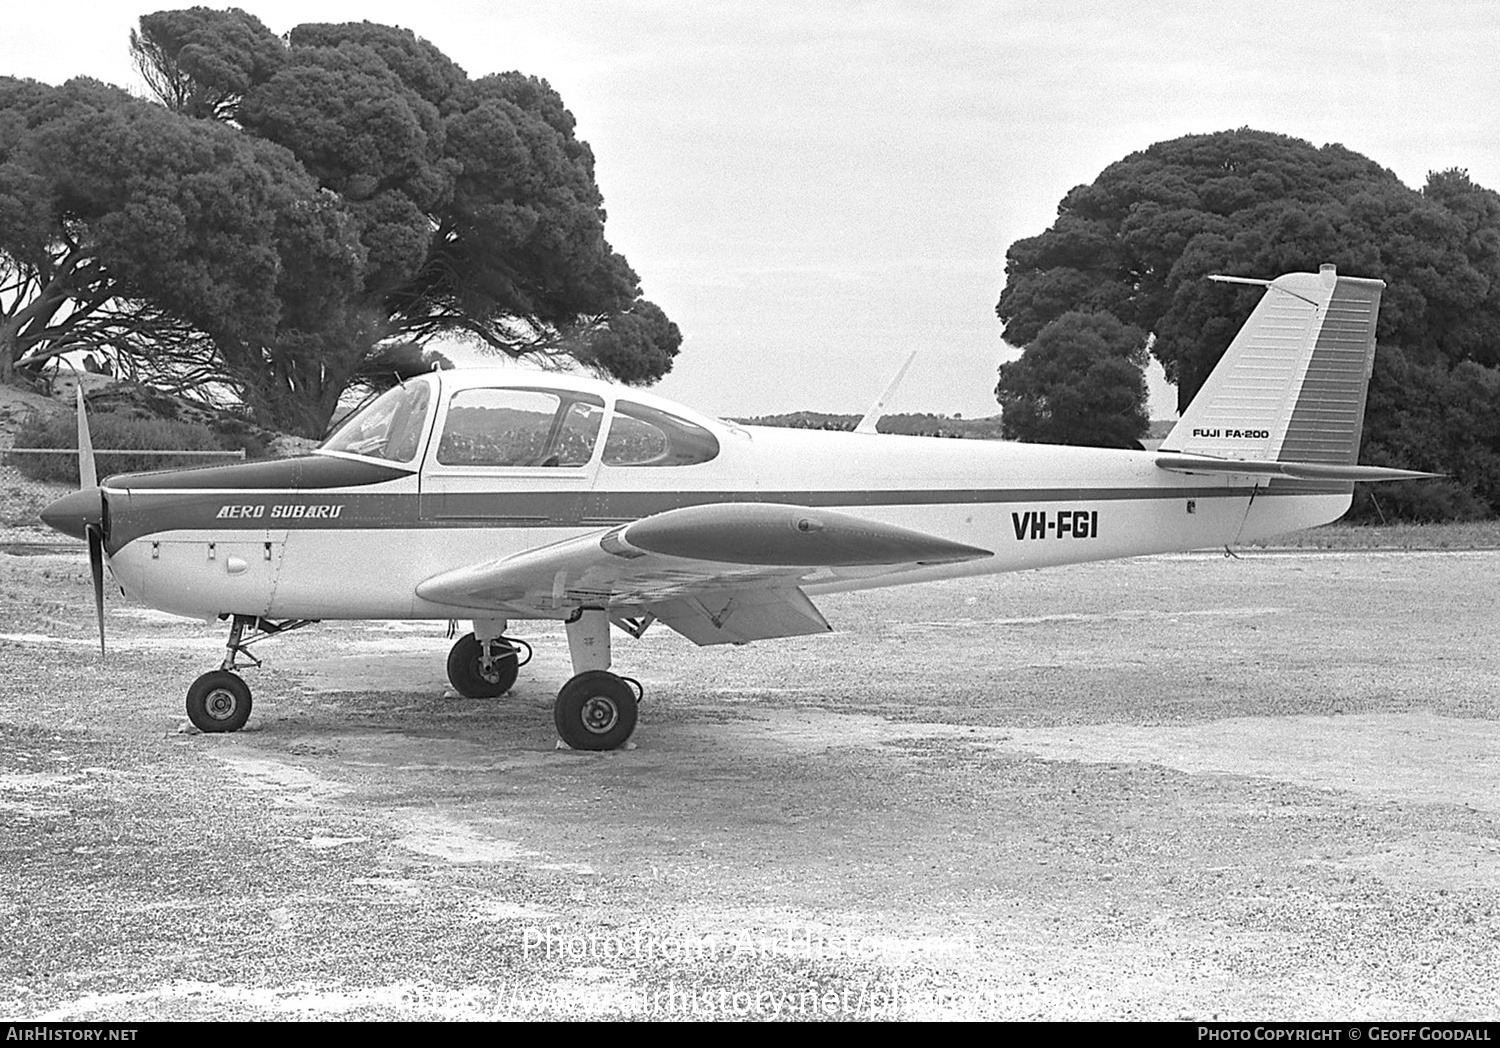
(1294, 470)
(721, 573)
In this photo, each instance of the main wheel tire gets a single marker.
(218, 701)
(469, 677)
(595, 711)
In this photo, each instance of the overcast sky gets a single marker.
(812, 190)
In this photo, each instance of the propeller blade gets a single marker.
(96, 567)
(88, 476)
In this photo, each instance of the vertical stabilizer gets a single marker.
(1291, 387)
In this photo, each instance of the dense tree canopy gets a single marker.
(297, 213)
(1137, 243)
(123, 225)
(1079, 382)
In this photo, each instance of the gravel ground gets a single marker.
(1173, 788)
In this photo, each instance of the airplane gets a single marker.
(496, 495)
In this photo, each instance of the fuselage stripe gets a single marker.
(137, 513)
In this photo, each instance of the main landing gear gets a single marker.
(220, 700)
(595, 710)
(484, 664)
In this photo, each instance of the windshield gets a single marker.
(389, 429)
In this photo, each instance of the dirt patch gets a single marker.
(1415, 757)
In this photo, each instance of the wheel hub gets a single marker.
(600, 714)
(220, 704)
(491, 655)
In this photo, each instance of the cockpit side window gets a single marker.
(390, 428)
(642, 436)
(519, 427)
(577, 431)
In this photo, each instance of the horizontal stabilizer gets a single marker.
(1292, 470)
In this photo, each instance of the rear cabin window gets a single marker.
(642, 436)
(520, 427)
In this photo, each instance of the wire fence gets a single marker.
(23, 497)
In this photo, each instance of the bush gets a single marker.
(114, 430)
(1422, 501)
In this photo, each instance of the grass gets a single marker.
(1481, 534)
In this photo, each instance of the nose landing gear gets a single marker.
(220, 700)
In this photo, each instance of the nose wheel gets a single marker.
(596, 710)
(218, 701)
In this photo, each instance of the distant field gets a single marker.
(1484, 534)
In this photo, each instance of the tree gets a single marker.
(473, 204)
(304, 215)
(1138, 241)
(1079, 382)
(201, 62)
(1443, 418)
(128, 230)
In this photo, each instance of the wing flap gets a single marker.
(742, 615)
